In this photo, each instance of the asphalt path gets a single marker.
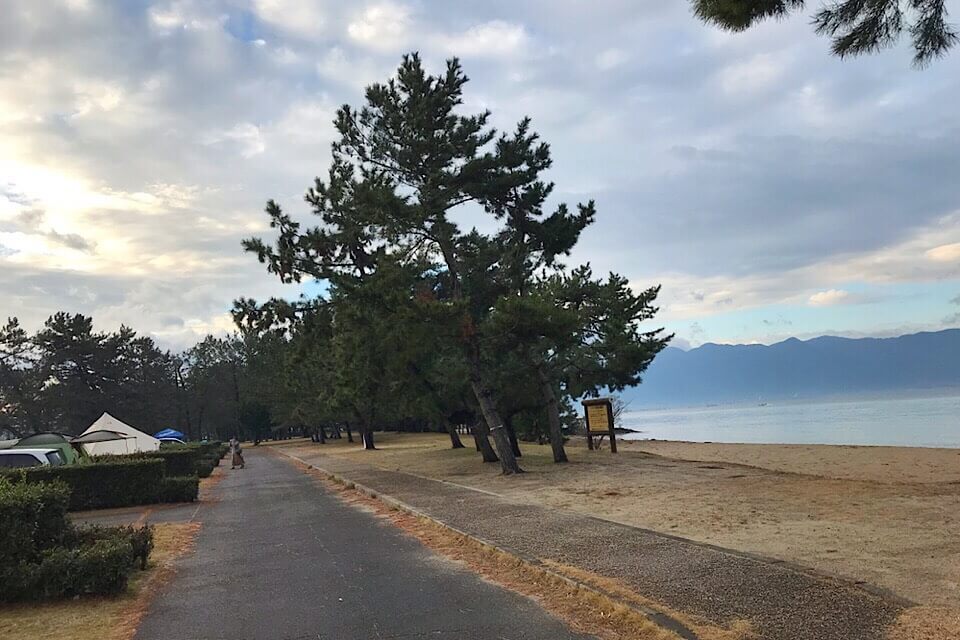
(277, 558)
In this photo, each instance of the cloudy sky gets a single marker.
(772, 189)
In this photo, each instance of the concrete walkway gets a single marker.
(781, 601)
(279, 559)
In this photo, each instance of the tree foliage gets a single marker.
(405, 168)
(855, 27)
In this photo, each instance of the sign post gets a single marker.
(598, 413)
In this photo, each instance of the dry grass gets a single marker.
(899, 534)
(208, 484)
(102, 618)
(582, 609)
(926, 623)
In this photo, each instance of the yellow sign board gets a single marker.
(598, 418)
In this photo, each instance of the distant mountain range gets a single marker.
(717, 373)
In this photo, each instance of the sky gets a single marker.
(772, 189)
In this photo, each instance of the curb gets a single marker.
(660, 619)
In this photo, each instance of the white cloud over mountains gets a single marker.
(139, 143)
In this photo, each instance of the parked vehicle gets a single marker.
(12, 458)
(51, 440)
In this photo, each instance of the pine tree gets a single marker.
(854, 26)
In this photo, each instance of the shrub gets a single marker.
(140, 539)
(43, 556)
(207, 453)
(100, 567)
(178, 489)
(32, 517)
(177, 462)
(101, 484)
(204, 468)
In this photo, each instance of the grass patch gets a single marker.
(98, 618)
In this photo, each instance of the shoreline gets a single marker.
(840, 398)
(628, 431)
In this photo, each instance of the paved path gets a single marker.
(782, 602)
(279, 559)
(144, 514)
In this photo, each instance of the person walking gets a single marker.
(236, 454)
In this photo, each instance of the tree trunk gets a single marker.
(321, 435)
(553, 414)
(366, 436)
(512, 434)
(349, 433)
(455, 442)
(508, 461)
(480, 433)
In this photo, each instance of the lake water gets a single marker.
(911, 422)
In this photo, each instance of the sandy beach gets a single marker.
(884, 515)
(876, 464)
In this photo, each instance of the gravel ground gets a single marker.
(781, 601)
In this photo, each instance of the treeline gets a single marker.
(424, 320)
(64, 376)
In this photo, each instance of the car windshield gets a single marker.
(55, 458)
(18, 460)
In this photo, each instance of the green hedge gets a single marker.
(32, 517)
(101, 484)
(113, 482)
(178, 489)
(208, 455)
(204, 467)
(177, 462)
(43, 556)
(140, 539)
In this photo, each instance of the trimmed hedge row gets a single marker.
(176, 462)
(102, 484)
(44, 556)
(31, 517)
(112, 482)
(178, 489)
(205, 456)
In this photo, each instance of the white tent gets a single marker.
(134, 442)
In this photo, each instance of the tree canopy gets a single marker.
(405, 165)
(855, 27)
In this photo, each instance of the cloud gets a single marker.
(493, 39)
(384, 26)
(611, 58)
(36, 234)
(740, 170)
(945, 253)
(299, 18)
(245, 137)
(749, 77)
(829, 298)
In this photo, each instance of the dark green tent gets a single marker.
(50, 441)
